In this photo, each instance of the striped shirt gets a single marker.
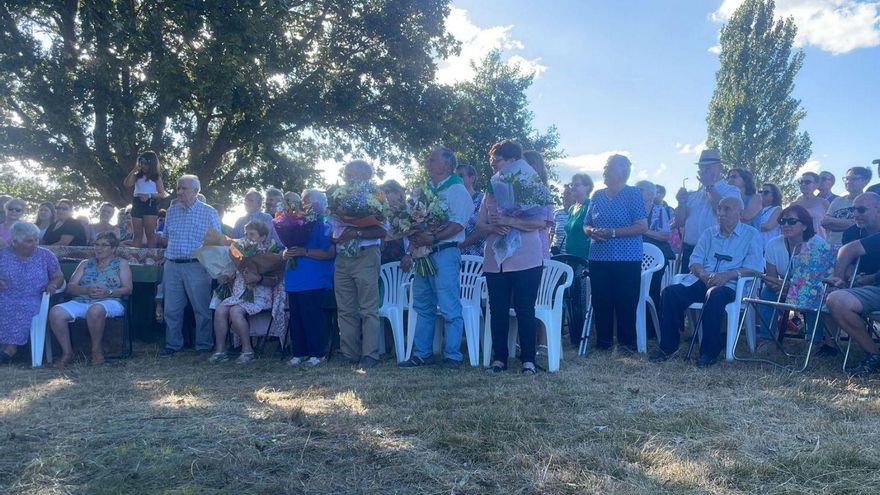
(185, 228)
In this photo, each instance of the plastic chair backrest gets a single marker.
(653, 259)
(471, 274)
(580, 266)
(392, 278)
(551, 279)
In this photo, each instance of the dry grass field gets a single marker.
(607, 424)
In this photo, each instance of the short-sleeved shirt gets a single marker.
(872, 248)
(238, 229)
(68, 227)
(577, 243)
(310, 273)
(185, 228)
(701, 214)
(743, 246)
(840, 208)
(621, 211)
(461, 206)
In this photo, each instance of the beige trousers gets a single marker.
(356, 284)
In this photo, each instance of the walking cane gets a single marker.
(718, 259)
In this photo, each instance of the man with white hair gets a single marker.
(253, 202)
(723, 254)
(186, 224)
(274, 196)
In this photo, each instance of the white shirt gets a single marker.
(743, 245)
(145, 186)
(461, 207)
(701, 214)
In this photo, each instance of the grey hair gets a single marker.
(194, 181)
(623, 161)
(16, 200)
(20, 230)
(256, 193)
(646, 184)
(448, 155)
(736, 200)
(317, 198)
(471, 171)
(358, 169)
(274, 192)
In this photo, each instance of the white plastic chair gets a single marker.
(743, 285)
(393, 304)
(471, 280)
(39, 330)
(652, 261)
(548, 309)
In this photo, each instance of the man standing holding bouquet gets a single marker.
(356, 283)
(442, 287)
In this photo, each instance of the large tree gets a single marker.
(753, 118)
(239, 92)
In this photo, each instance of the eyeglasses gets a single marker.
(17, 210)
(860, 209)
(766, 192)
(805, 181)
(850, 178)
(788, 221)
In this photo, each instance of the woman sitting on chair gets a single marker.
(808, 258)
(97, 285)
(252, 293)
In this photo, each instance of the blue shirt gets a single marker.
(238, 229)
(312, 274)
(743, 245)
(185, 228)
(621, 211)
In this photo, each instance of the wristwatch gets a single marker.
(109, 292)
(360, 234)
(613, 233)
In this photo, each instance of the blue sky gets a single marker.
(636, 76)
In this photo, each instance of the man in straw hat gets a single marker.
(696, 209)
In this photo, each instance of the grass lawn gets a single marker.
(607, 424)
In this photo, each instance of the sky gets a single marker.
(635, 77)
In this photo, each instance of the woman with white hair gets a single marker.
(26, 272)
(307, 284)
(13, 209)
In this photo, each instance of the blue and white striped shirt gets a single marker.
(185, 228)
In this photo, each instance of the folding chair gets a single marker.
(780, 305)
(871, 321)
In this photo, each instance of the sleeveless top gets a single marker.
(108, 278)
(145, 186)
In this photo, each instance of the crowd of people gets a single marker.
(730, 227)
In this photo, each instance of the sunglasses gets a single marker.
(17, 210)
(788, 221)
(805, 181)
(860, 209)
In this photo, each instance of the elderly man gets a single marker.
(849, 307)
(253, 201)
(826, 182)
(274, 196)
(442, 288)
(186, 224)
(696, 210)
(723, 254)
(356, 284)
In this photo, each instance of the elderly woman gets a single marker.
(517, 278)
(66, 230)
(766, 221)
(577, 243)
(815, 205)
(14, 209)
(473, 237)
(96, 285)
(26, 272)
(307, 284)
(808, 259)
(251, 294)
(745, 181)
(615, 223)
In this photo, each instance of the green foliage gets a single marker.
(491, 107)
(239, 92)
(753, 119)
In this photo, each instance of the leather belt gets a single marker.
(184, 260)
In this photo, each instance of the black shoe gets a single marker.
(451, 364)
(659, 356)
(868, 366)
(826, 351)
(167, 352)
(530, 370)
(706, 361)
(367, 362)
(415, 362)
(5, 358)
(497, 367)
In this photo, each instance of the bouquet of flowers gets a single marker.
(518, 194)
(214, 257)
(424, 211)
(294, 223)
(255, 258)
(359, 204)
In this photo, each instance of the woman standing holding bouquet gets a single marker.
(517, 276)
(146, 179)
(306, 284)
(615, 223)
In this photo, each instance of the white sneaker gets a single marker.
(295, 361)
(314, 361)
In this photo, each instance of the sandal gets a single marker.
(245, 358)
(529, 370)
(497, 367)
(218, 357)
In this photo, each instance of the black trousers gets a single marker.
(686, 251)
(615, 293)
(522, 287)
(676, 298)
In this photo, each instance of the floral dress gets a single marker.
(20, 300)
(264, 298)
(814, 262)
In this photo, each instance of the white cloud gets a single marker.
(590, 163)
(810, 166)
(690, 149)
(835, 26)
(476, 43)
(660, 169)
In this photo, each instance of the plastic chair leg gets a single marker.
(641, 328)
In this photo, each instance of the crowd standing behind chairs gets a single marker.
(729, 228)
